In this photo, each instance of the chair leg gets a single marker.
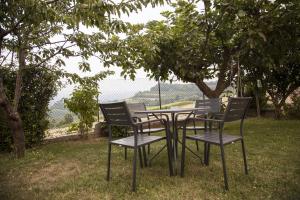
(149, 145)
(108, 162)
(141, 157)
(197, 144)
(195, 131)
(244, 156)
(134, 170)
(145, 156)
(176, 143)
(183, 153)
(207, 154)
(224, 167)
(169, 149)
(125, 153)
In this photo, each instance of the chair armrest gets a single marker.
(188, 114)
(137, 119)
(149, 121)
(159, 114)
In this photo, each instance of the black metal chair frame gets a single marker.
(117, 114)
(138, 118)
(235, 110)
(211, 109)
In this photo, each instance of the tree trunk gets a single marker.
(206, 90)
(278, 111)
(257, 103)
(15, 123)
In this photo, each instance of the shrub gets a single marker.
(293, 110)
(116, 131)
(39, 86)
(84, 104)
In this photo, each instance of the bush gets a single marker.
(116, 131)
(39, 86)
(293, 110)
(83, 103)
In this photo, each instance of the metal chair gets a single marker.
(138, 118)
(141, 107)
(235, 110)
(117, 114)
(209, 107)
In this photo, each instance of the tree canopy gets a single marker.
(190, 44)
(42, 32)
(260, 39)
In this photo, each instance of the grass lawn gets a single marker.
(76, 170)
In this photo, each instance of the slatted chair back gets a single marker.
(209, 105)
(137, 107)
(117, 114)
(236, 108)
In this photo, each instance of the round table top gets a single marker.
(172, 110)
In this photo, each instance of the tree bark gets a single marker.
(19, 80)
(257, 104)
(14, 122)
(278, 111)
(222, 84)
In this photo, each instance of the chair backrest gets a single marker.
(236, 108)
(137, 107)
(117, 114)
(208, 105)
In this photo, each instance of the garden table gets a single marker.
(173, 112)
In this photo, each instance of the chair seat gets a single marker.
(142, 140)
(194, 128)
(213, 137)
(152, 130)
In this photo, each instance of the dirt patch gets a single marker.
(55, 172)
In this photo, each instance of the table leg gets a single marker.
(175, 142)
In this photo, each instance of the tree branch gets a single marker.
(4, 58)
(56, 53)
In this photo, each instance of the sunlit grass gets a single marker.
(76, 170)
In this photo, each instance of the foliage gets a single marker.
(68, 118)
(262, 37)
(43, 32)
(250, 91)
(73, 127)
(116, 131)
(273, 57)
(83, 102)
(293, 110)
(33, 106)
(192, 45)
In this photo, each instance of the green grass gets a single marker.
(76, 170)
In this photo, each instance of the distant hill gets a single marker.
(58, 111)
(169, 93)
